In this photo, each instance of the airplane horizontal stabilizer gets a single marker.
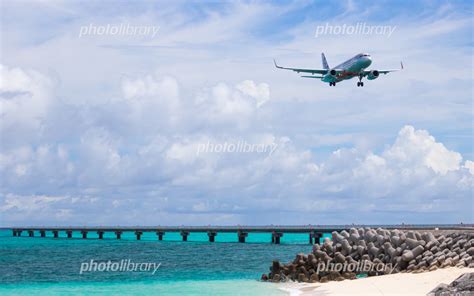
(313, 77)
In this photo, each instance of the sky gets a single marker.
(130, 129)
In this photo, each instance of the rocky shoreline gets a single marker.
(372, 252)
(463, 285)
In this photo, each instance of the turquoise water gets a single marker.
(51, 266)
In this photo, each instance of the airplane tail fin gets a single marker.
(325, 62)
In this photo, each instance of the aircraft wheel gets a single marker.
(361, 84)
(358, 84)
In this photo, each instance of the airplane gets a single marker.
(354, 67)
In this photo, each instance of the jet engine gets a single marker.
(374, 74)
(330, 76)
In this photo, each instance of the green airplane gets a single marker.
(354, 67)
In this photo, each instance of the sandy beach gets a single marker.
(393, 284)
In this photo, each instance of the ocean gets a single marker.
(49, 266)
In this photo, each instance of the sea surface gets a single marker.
(49, 266)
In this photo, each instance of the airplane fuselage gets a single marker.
(349, 69)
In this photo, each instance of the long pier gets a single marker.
(315, 232)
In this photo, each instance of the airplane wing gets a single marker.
(313, 71)
(367, 72)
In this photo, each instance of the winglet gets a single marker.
(276, 64)
(401, 64)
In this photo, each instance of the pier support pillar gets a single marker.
(242, 236)
(100, 234)
(69, 233)
(310, 238)
(18, 233)
(160, 235)
(31, 233)
(14, 232)
(317, 237)
(42, 233)
(185, 234)
(84, 234)
(276, 237)
(138, 235)
(212, 236)
(118, 234)
(55, 233)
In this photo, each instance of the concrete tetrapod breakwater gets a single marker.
(371, 252)
(462, 286)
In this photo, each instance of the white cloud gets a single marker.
(150, 86)
(417, 147)
(260, 92)
(25, 99)
(470, 166)
(29, 204)
(144, 163)
(225, 105)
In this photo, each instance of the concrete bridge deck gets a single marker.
(315, 232)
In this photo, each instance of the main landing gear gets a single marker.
(332, 83)
(360, 83)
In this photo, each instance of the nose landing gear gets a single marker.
(332, 83)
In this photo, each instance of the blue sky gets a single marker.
(106, 129)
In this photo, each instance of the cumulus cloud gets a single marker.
(470, 166)
(25, 98)
(419, 148)
(415, 166)
(260, 92)
(136, 156)
(150, 86)
(231, 107)
(30, 204)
